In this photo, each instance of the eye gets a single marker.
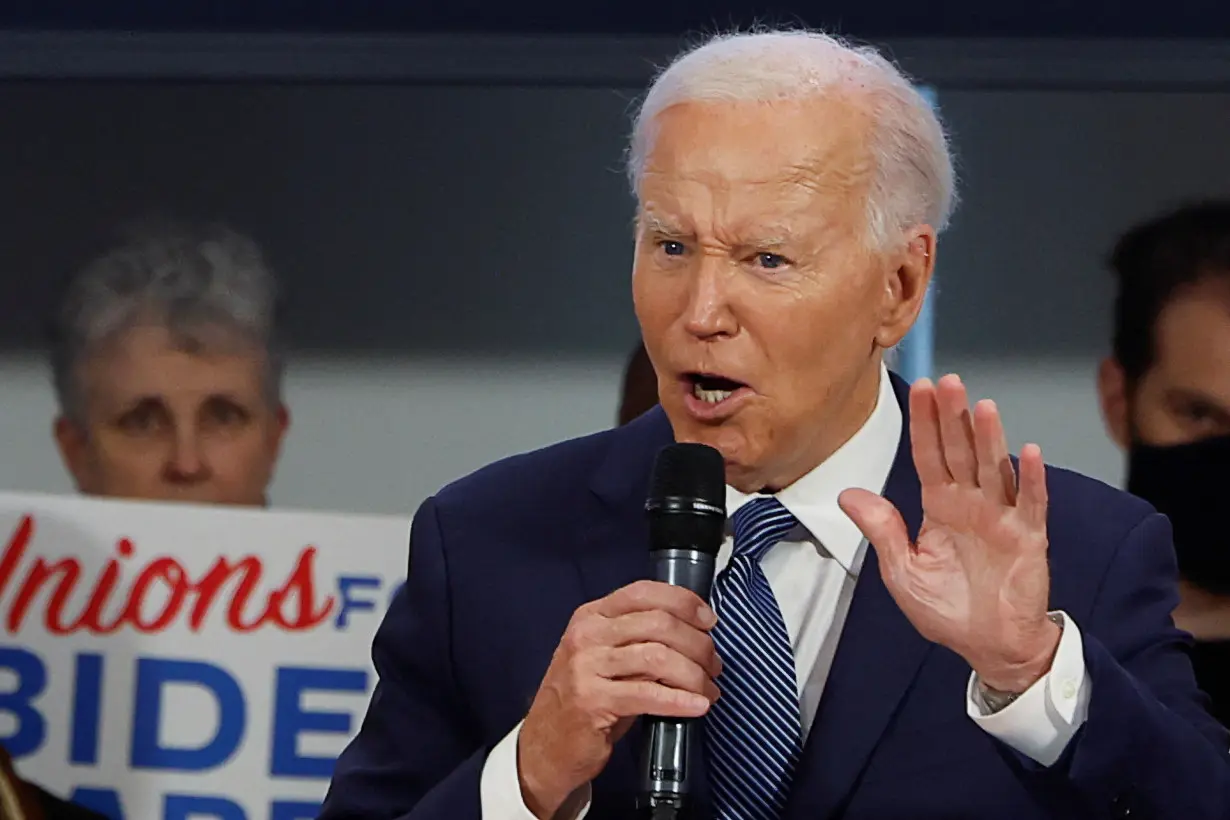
(223, 412)
(672, 247)
(771, 261)
(1198, 412)
(148, 416)
(1203, 417)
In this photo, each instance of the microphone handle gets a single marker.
(688, 568)
(668, 755)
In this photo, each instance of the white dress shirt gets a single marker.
(813, 572)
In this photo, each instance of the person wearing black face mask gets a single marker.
(1165, 394)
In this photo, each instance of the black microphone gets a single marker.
(687, 522)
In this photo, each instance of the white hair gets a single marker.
(913, 182)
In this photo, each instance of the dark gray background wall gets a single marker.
(470, 220)
(404, 219)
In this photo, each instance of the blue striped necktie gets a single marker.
(753, 731)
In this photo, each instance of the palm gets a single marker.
(976, 578)
(966, 544)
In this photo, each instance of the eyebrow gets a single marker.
(149, 400)
(775, 241)
(1192, 394)
(656, 224)
(771, 237)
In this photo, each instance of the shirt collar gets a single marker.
(864, 461)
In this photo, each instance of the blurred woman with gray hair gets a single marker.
(166, 371)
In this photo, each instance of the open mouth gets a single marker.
(713, 389)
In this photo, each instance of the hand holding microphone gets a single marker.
(642, 650)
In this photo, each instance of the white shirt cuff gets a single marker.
(499, 787)
(1043, 720)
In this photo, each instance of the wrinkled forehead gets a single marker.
(785, 157)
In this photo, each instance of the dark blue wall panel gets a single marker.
(886, 18)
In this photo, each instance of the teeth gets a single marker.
(711, 396)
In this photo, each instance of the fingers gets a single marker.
(648, 612)
(925, 434)
(957, 430)
(657, 662)
(995, 473)
(646, 596)
(645, 697)
(880, 522)
(664, 629)
(971, 448)
(1032, 498)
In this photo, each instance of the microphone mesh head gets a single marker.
(689, 471)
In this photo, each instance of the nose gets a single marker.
(186, 463)
(708, 314)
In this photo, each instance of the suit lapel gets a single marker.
(614, 544)
(878, 657)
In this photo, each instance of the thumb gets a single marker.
(879, 521)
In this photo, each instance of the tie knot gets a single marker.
(759, 524)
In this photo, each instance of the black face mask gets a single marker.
(1190, 484)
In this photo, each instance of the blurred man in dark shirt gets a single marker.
(1165, 393)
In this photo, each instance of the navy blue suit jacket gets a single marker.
(500, 560)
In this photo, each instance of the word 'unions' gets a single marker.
(156, 594)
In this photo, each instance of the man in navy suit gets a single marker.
(1006, 648)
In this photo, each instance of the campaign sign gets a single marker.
(172, 661)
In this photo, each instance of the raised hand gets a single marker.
(976, 580)
(642, 650)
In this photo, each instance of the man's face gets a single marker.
(165, 424)
(761, 306)
(1184, 396)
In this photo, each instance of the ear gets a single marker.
(281, 423)
(73, 446)
(905, 285)
(1112, 394)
